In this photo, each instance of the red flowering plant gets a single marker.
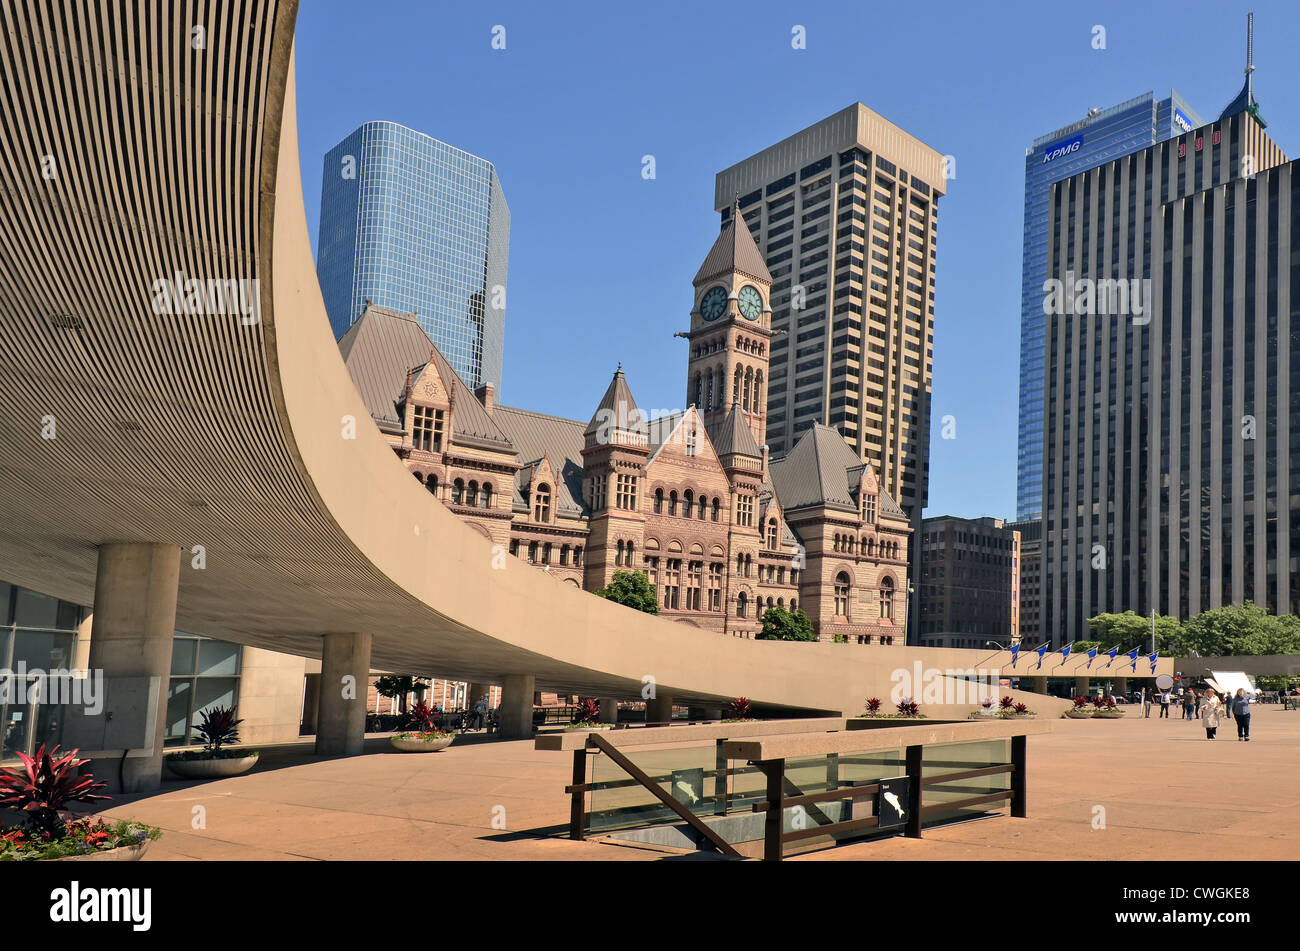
(42, 789)
(422, 724)
(1021, 708)
(1080, 702)
(1007, 702)
(738, 710)
(907, 707)
(873, 706)
(1099, 702)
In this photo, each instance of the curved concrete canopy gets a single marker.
(129, 156)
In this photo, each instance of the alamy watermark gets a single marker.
(180, 295)
(1109, 297)
(933, 685)
(58, 687)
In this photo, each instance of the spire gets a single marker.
(734, 250)
(732, 435)
(1245, 101)
(617, 411)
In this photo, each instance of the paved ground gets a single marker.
(1167, 792)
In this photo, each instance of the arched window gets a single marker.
(672, 502)
(842, 595)
(716, 506)
(794, 605)
(457, 492)
(887, 599)
(735, 388)
(564, 554)
(618, 557)
(688, 502)
(742, 604)
(771, 533)
(542, 503)
(577, 555)
(709, 396)
(419, 477)
(659, 501)
(758, 390)
(532, 553)
(630, 554)
(702, 506)
(472, 497)
(546, 553)
(748, 388)
(487, 495)
(780, 602)
(432, 484)
(699, 390)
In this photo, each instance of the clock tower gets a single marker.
(731, 331)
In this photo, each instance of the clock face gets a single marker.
(713, 303)
(751, 302)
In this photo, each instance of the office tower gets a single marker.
(416, 225)
(970, 583)
(1031, 578)
(1101, 136)
(845, 216)
(1172, 450)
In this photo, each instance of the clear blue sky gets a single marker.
(601, 260)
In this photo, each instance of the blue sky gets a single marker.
(601, 260)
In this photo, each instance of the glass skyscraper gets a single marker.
(1101, 136)
(413, 224)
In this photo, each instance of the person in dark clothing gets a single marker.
(1164, 704)
(1241, 713)
(1188, 703)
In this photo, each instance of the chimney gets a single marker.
(763, 450)
(486, 394)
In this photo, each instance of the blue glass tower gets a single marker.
(1099, 137)
(413, 224)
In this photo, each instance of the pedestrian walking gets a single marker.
(480, 713)
(1188, 703)
(1210, 707)
(1164, 704)
(1200, 699)
(1146, 703)
(1241, 713)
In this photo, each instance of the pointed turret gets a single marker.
(732, 438)
(617, 419)
(734, 251)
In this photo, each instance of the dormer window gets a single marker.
(868, 508)
(542, 503)
(426, 430)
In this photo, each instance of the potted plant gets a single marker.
(873, 707)
(422, 734)
(1107, 709)
(587, 717)
(42, 789)
(1080, 710)
(738, 711)
(219, 728)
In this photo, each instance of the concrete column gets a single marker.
(659, 710)
(341, 710)
(131, 637)
(516, 711)
(1037, 685)
(1081, 684)
(608, 710)
(1121, 685)
(310, 703)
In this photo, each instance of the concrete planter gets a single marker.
(1108, 715)
(212, 768)
(1078, 714)
(126, 853)
(406, 744)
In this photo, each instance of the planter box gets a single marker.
(211, 768)
(412, 745)
(1108, 715)
(126, 853)
(877, 723)
(1078, 714)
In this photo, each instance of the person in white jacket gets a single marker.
(1210, 708)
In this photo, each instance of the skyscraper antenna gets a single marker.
(1250, 49)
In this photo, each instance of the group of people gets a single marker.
(1209, 707)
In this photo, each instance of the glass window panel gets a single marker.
(179, 694)
(36, 610)
(218, 659)
(42, 650)
(184, 650)
(214, 692)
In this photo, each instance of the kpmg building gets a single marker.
(1101, 136)
(416, 225)
(1172, 411)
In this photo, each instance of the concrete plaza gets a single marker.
(1167, 793)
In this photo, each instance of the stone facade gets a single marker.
(690, 498)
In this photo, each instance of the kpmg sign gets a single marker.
(1182, 121)
(1064, 148)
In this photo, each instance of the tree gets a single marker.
(1242, 629)
(633, 589)
(782, 625)
(399, 688)
(1129, 630)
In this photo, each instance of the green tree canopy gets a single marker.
(1129, 630)
(1242, 629)
(399, 688)
(633, 589)
(782, 625)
